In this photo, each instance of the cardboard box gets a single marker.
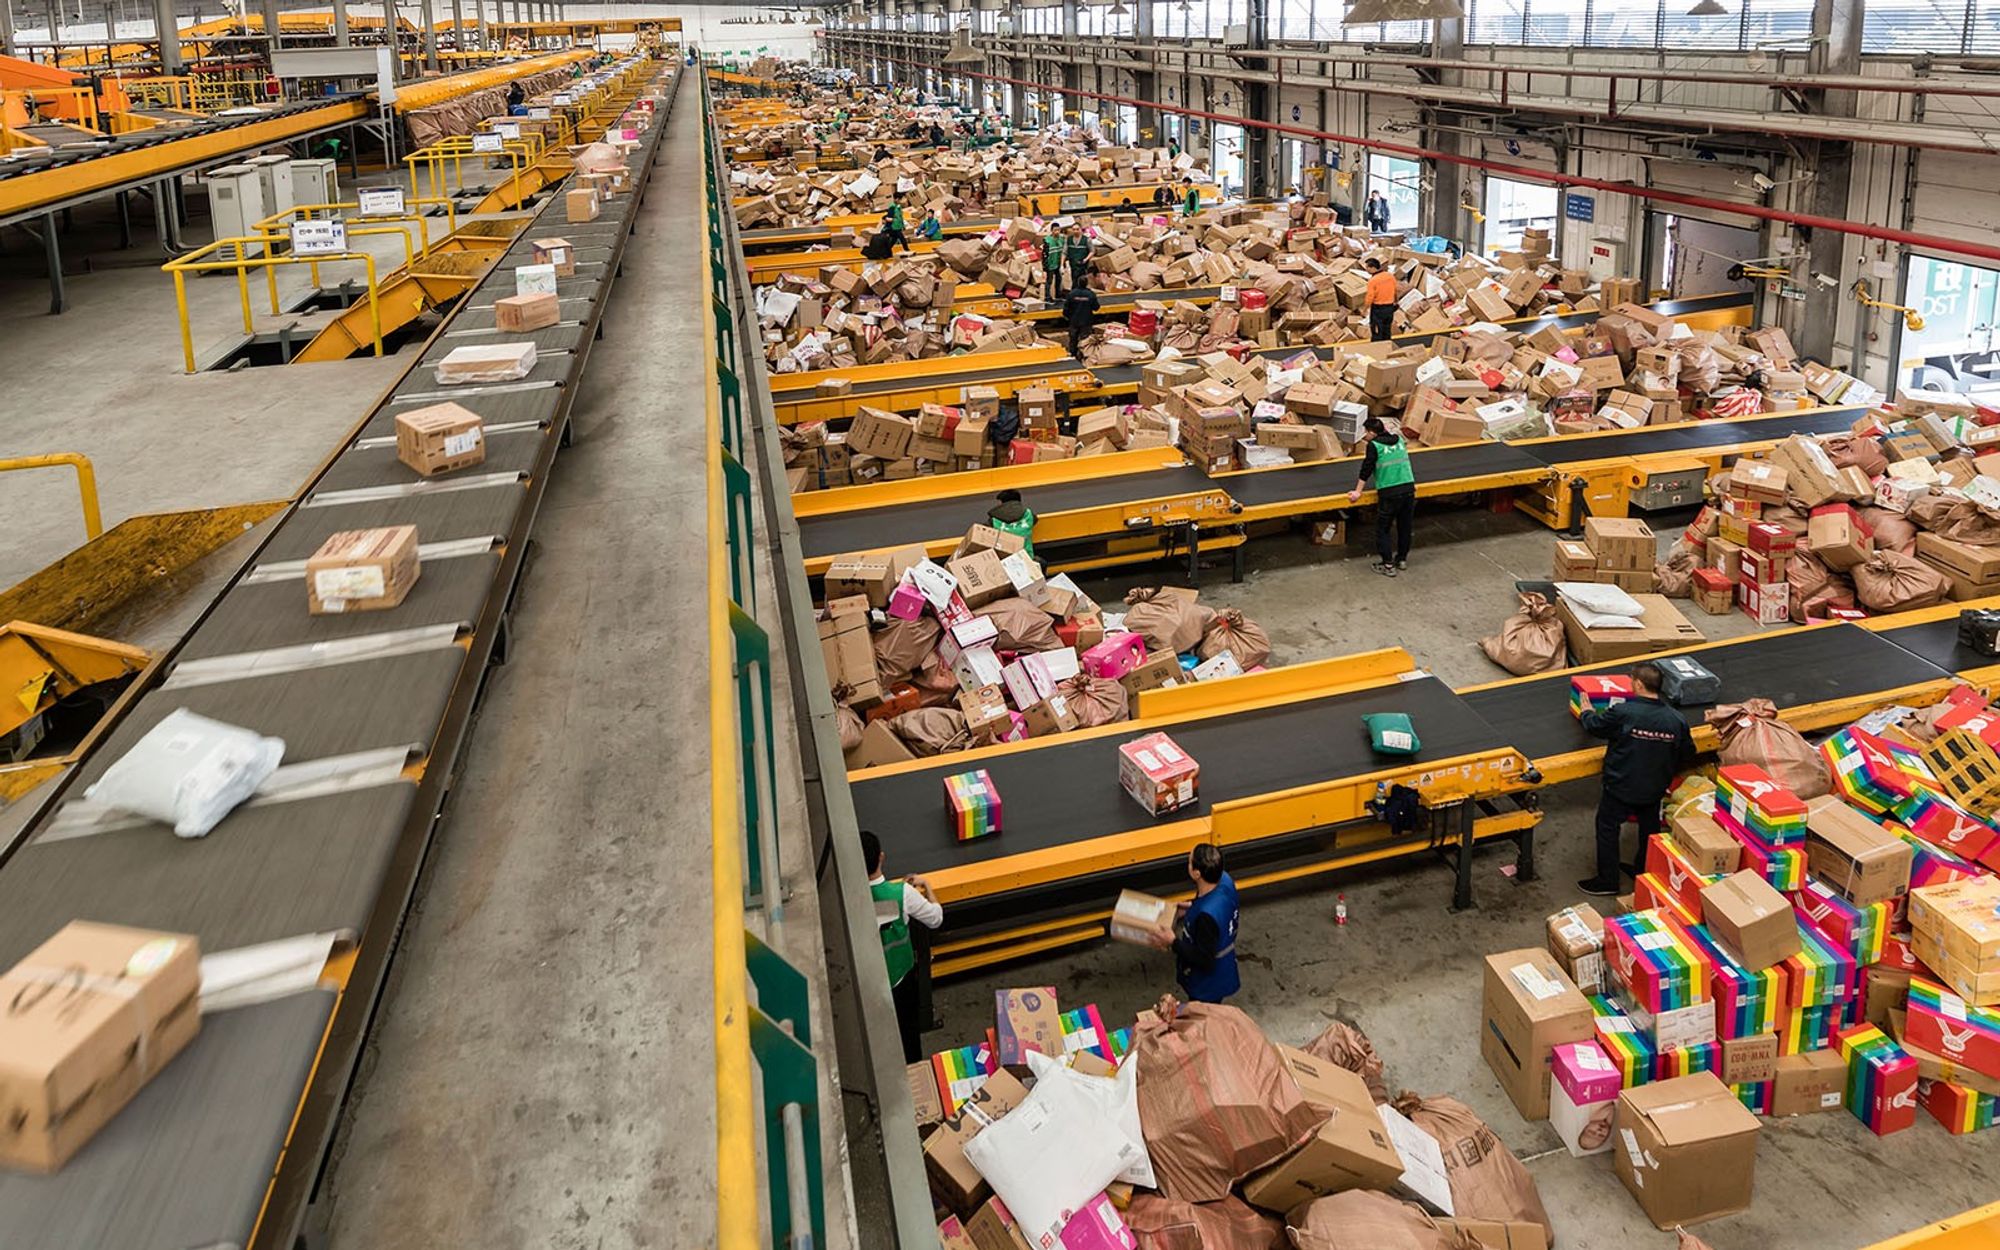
(1143, 920)
(883, 435)
(981, 579)
(1583, 1097)
(1158, 775)
(1863, 861)
(1575, 562)
(1496, 1235)
(580, 205)
(1624, 543)
(1808, 1083)
(93, 1013)
(440, 438)
(1351, 1150)
(362, 570)
(1576, 939)
(1027, 1019)
(1530, 1007)
(954, 1181)
(525, 312)
(1749, 1060)
(993, 1227)
(1750, 918)
(1708, 846)
(1838, 537)
(1688, 1149)
(1037, 405)
(489, 362)
(1978, 565)
(1662, 627)
(924, 1095)
(879, 746)
(1962, 920)
(557, 252)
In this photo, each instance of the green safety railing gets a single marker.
(763, 1041)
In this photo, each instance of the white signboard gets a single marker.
(319, 238)
(507, 130)
(538, 112)
(562, 97)
(488, 143)
(381, 201)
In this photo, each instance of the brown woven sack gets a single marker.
(1929, 510)
(1096, 700)
(1022, 625)
(1235, 633)
(1362, 1219)
(1674, 577)
(1530, 641)
(1159, 1223)
(848, 721)
(1893, 530)
(1215, 1101)
(1487, 1181)
(1889, 581)
(1751, 733)
(1348, 1047)
(902, 648)
(1853, 451)
(1970, 524)
(932, 730)
(1170, 622)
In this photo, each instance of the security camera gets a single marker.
(1762, 182)
(1826, 280)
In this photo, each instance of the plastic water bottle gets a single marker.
(1340, 909)
(1381, 796)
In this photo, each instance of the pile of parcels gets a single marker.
(940, 181)
(927, 657)
(1191, 1130)
(1816, 932)
(1904, 512)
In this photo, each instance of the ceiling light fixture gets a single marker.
(1708, 8)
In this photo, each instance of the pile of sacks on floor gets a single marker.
(1815, 930)
(1191, 1130)
(929, 657)
(1903, 512)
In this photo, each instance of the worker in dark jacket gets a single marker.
(1205, 937)
(1387, 464)
(1010, 515)
(1079, 310)
(1648, 744)
(1077, 253)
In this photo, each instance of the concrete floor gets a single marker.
(1408, 972)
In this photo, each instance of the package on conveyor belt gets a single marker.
(492, 362)
(1683, 681)
(1597, 693)
(516, 314)
(580, 205)
(188, 771)
(440, 438)
(94, 1013)
(972, 802)
(362, 570)
(555, 252)
(1158, 775)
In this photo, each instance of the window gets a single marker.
(1512, 207)
(1955, 351)
(1398, 180)
(1496, 21)
(1295, 19)
(1910, 26)
(1766, 24)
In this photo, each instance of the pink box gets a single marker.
(980, 631)
(1098, 1227)
(906, 602)
(954, 612)
(1586, 1073)
(1028, 681)
(1017, 727)
(1116, 656)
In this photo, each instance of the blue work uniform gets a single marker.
(1218, 980)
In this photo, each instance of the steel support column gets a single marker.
(1260, 102)
(1146, 82)
(1829, 316)
(168, 27)
(1440, 212)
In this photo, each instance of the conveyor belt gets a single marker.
(338, 857)
(1068, 791)
(1435, 466)
(781, 394)
(1937, 643)
(187, 1162)
(1691, 437)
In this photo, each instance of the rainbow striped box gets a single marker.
(1858, 930)
(974, 805)
(1083, 1029)
(961, 1072)
(1653, 963)
(1631, 1051)
(1667, 864)
(1947, 826)
(1947, 1026)
(1595, 694)
(1747, 1002)
(1750, 800)
(1801, 1029)
(1875, 774)
(1931, 864)
(1959, 1109)
(1881, 1079)
(1120, 1043)
(1687, 1060)
(1757, 1096)
(1650, 893)
(1784, 867)
(1822, 974)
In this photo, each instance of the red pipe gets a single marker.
(1839, 225)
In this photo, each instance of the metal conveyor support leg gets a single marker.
(1461, 890)
(52, 250)
(1194, 553)
(1579, 507)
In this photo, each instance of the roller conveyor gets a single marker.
(373, 708)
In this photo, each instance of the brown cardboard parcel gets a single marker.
(953, 1178)
(1853, 854)
(1686, 1149)
(362, 570)
(440, 438)
(1350, 1151)
(1752, 919)
(1662, 626)
(1530, 1007)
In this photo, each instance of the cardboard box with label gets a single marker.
(1351, 1150)
(954, 1181)
(1576, 939)
(1748, 1060)
(1686, 1149)
(1158, 775)
(521, 313)
(1808, 1083)
(1662, 626)
(362, 570)
(1857, 857)
(557, 252)
(1027, 1019)
(1623, 543)
(1143, 920)
(1529, 1008)
(1751, 919)
(93, 1014)
(440, 438)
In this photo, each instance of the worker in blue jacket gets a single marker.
(1205, 938)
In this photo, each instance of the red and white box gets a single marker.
(1158, 775)
(1769, 604)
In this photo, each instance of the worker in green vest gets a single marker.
(1053, 247)
(897, 903)
(1387, 463)
(1010, 516)
(1077, 252)
(1193, 204)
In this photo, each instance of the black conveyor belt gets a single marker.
(841, 532)
(1691, 436)
(1792, 669)
(1259, 487)
(1937, 642)
(1068, 791)
(781, 394)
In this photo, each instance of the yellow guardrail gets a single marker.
(211, 259)
(86, 481)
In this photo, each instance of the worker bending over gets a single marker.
(1387, 464)
(1648, 744)
(1011, 516)
(1205, 938)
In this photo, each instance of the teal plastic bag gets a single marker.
(1391, 733)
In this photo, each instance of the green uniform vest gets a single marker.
(1052, 256)
(1392, 465)
(1193, 201)
(896, 948)
(896, 218)
(1024, 529)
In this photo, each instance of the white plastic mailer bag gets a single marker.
(1048, 1157)
(189, 772)
(1117, 1098)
